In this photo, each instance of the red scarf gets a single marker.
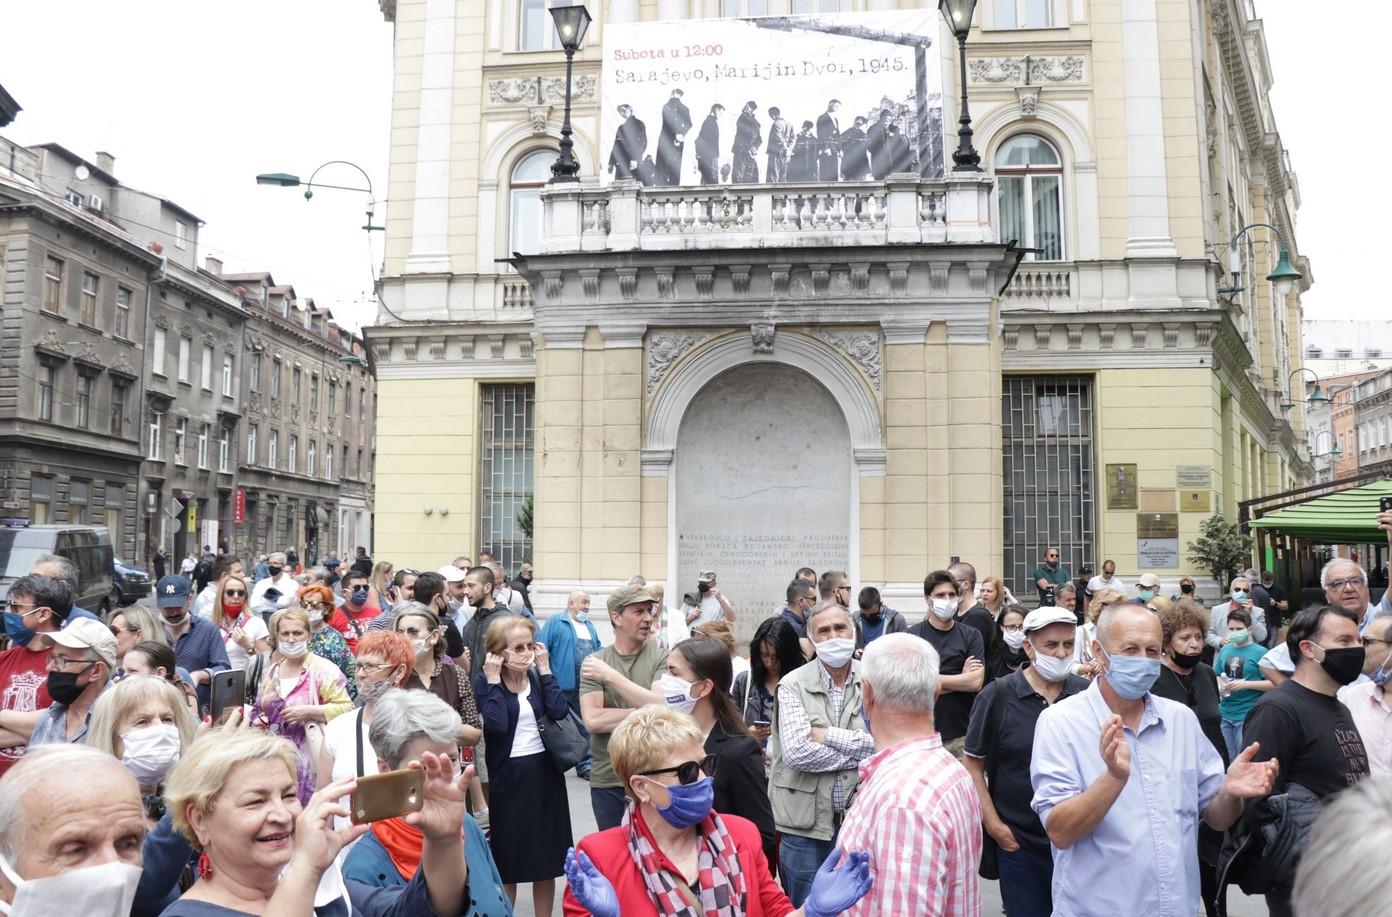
(723, 889)
(402, 843)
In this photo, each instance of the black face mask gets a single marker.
(275, 571)
(1343, 665)
(1187, 660)
(63, 686)
(526, 580)
(1186, 588)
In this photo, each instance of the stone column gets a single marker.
(620, 447)
(1147, 192)
(431, 197)
(907, 502)
(974, 461)
(560, 363)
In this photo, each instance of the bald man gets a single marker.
(569, 638)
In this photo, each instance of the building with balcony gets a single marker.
(876, 375)
(1372, 410)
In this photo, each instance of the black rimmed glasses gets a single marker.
(687, 772)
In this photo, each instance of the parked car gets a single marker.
(88, 546)
(129, 583)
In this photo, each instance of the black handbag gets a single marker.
(565, 739)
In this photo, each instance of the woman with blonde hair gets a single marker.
(143, 721)
(243, 633)
(720, 630)
(132, 624)
(991, 595)
(380, 581)
(1083, 663)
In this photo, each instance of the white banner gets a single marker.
(842, 97)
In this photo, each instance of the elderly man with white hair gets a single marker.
(916, 812)
(569, 638)
(71, 827)
(277, 591)
(1345, 584)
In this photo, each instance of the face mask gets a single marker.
(422, 646)
(1131, 677)
(233, 605)
(520, 663)
(150, 752)
(359, 596)
(16, 630)
(175, 622)
(690, 804)
(1380, 675)
(1145, 595)
(63, 686)
(316, 616)
(1051, 563)
(583, 616)
(453, 604)
(1239, 637)
(275, 571)
(1051, 668)
(294, 650)
(107, 890)
(369, 691)
(526, 580)
(1013, 639)
(944, 609)
(1239, 596)
(836, 651)
(1187, 660)
(1185, 588)
(677, 693)
(1343, 665)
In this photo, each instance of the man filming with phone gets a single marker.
(712, 605)
(276, 591)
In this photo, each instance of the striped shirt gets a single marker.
(917, 814)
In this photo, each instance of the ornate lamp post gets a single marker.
(1316, 397)
(959, 17)
(1283, 276)
(571, 23)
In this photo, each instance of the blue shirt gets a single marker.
(369, 863)
(566, 649)
(1142, 857)
(52, 727)
(201, 647)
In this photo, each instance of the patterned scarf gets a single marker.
(720, 879)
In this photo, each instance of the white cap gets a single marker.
(1045, 615)
(451, 573)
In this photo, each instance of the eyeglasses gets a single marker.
(687, 772)
(15, 606)
(1368, 641)
(118, 631)
(55, 661)
(1353, 582)
(373, 667)
(235, 593)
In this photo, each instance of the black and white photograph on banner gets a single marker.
(773, 99)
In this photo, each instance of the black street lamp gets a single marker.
(286, 180)
(571, 23)
(959, 17)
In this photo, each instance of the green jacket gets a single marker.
(802, 799)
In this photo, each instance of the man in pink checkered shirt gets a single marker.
(915, 810)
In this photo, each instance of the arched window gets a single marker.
(524, 193)
(1029, 179)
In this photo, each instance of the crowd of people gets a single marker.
(1108, 750)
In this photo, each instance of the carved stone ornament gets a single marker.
(860, 277)
(437, 349)
(90, 354)
(739, 278)
(1028, 97)
(898, 276)
(628, 283)
(551, 280)
(526, 347)
(209, 338)
(664, 349)
(408, 349)
(52, 342)
(495, 345)
(466, 348)
(1005, 70)
(583, 89)
(780, 274)
(862, 347)
(512, 91)
(821, 278)
(122, 365)
(666, 284)
(589, 282)
(381, 350)
(539, 115)
(705, 280)
(762, 333)
(162, 321)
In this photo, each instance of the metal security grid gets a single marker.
(1050, 475)
(505, 470)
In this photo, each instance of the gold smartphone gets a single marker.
(388, 795)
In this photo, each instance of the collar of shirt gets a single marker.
(829, 684)
(1150, 715)
(870, 765)
(1068, 687)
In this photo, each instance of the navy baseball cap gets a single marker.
(171, 592)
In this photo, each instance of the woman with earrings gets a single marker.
(694, 684)
(673, 853)
(243, 633)
(432, 672)
(527, 802)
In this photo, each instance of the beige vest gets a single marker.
(802, 800)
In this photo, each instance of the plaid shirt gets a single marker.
(52, 727)
(842, 749)
(917, 814)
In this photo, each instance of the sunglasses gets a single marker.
(687, 772)
(235, 593)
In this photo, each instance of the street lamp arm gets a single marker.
(343, 162)
(1250, 226)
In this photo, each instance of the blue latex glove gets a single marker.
(594, 892)
(836, 888)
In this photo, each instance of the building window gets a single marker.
(347, 403)
(255, 380)
(40, 499)
(294, 453)
(224, 450)
(84, 400)
(529, 176)
(203, 432)
(53, 285)
(47, 376)
(736, 8)
(1343, 354)
(157, 355)
(227, 375)
(118, 407)
(816, 6)
(535, 29)
(251, 444)
(272, 447)
(344, 464)
(79, 496)
(88, 315)
(358, 468)
(156, 443)
(362, 402)
(1049, 473)
(206, 371)
(180, 235)
(1313, 353)
(185, 349)
(505, 469)
(180, 435)
(123, 303)
(1024, 14)
(275, 379)
(1372, 353)
(314, 393)
(333, 399)
(1029, 176)
(295, 386)
(115, 501)
(328, 462)
(311, 458)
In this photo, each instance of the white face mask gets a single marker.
(107, 890)
(944, 609)
(294, 650)
(316, 617)
(677, 693)
(422, 646)
(150, 752)
(1051, 668)
(836, 651)
(1013, 638)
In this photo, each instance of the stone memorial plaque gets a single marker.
(1193, 477)
(1155, 500)
(1195, 501)
(1157, 553)
(763, 470)
(1121, 487)
(1157, 525)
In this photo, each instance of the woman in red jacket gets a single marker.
(675, 857)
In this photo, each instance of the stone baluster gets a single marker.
(623, 216)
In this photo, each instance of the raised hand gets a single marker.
(493, 668)
(444, 802)
(542, 658)
(594, 892)
(1116, 754)
(835, 888)
(1248, 779)
(317, 842)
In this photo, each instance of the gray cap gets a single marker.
(1045, 615)
(624, 596)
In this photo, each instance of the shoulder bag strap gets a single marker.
(358, 727)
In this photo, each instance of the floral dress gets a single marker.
(328, 643)
(320, 683)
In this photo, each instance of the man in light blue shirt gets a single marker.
(1121, 778)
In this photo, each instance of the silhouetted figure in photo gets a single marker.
(900, 156)
(671, 142)
(708, 147)
(855, 152)
(780, 146)
(829, 143)
(630, 143)
(877, 140)
(803, 165)
(748, 138)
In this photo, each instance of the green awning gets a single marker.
(1346, 517)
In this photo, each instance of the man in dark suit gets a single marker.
(748, 139)
(780, 146)
(855, 152)
(708, 147)
(829, 143)
(671, 142)
(900, 156)
(803, 166)
(630, 142)
(877, 139)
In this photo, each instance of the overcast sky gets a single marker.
(195, 98)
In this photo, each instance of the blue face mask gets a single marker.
(15, 629)
(1239, 597)
(1132, 677)
(1380, 675)
(690, 804)
(1145, 595)
(359, 596)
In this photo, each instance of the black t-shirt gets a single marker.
(1199, 692)
(1312, 735)
(1007, 752)
(977, 616)
(954, 647)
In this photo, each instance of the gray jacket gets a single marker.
(893, 623)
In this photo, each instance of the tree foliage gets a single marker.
(1221, 549)
(524, 516)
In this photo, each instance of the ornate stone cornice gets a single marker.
(1028, 70)
(530, 91)
(861, 346)
(447, 350)
(665, 348)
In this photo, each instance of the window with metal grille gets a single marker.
(505, 470)
(1050, 474)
